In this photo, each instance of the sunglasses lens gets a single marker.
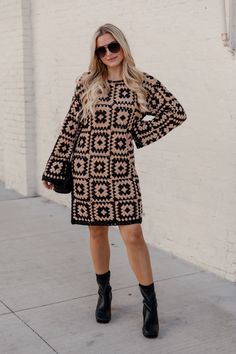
(114, 47)
(100, 52)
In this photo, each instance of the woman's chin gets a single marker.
(113, 64)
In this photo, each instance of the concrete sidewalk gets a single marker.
(48, 292)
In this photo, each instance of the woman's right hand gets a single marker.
(48, 185)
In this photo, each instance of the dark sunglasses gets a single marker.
(113, 47)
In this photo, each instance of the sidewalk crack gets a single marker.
(26, 324)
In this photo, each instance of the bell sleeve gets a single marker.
(55, 169)
(167, 111)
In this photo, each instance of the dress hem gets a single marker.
(108, 223)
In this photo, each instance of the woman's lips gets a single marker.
(111, 59)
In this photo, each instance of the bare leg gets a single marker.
(100, 248)
(138, 253)
(139, 260)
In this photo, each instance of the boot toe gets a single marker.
(102, 316)
(152, 332)
(103, 319)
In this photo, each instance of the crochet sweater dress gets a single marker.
(106, 188)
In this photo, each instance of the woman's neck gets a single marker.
(115, 73)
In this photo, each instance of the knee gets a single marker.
(98, 232)
(134, 239)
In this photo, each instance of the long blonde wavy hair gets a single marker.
(94, 82)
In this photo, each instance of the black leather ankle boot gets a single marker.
(103, 309)
(150, 316)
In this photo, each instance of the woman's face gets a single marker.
(110, 59)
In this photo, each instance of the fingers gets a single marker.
(48, 185)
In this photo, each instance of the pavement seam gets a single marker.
(93, 294)
(26, 324)
(30, 235)
(5, 313)
(20, 198)
(181, 275)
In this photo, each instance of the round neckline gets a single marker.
(115, 80)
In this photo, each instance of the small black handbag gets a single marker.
(66, 185)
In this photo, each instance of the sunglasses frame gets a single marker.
(106, 47)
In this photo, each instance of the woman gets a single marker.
(109, 104)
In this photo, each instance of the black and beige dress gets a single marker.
(106, 188)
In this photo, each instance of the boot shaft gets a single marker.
(103, 279)
(149, 295)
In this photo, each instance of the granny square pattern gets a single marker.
(106, 187)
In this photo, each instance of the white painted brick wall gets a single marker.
(190, 206)
(17, 147)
